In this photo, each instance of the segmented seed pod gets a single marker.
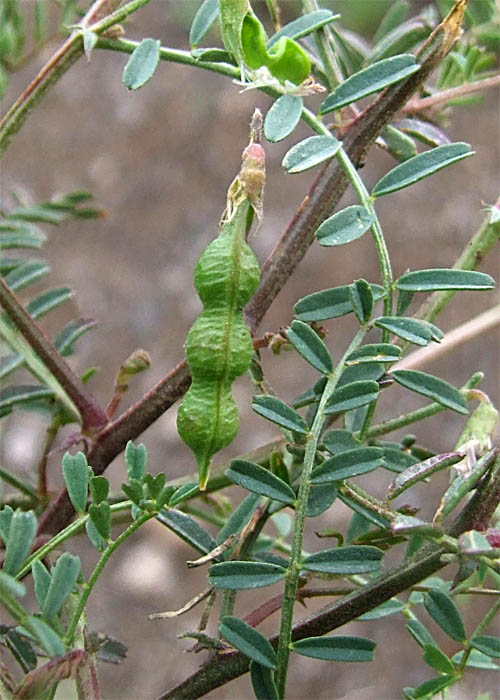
(219, 346)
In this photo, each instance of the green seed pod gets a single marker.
(219, 346)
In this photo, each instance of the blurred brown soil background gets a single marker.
(159, 161)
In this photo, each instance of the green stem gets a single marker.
(378, 236)
(330, 65)
(490, 615)
(56, 541)
(293, 571)
(87, 589)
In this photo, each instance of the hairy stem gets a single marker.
(293, 571)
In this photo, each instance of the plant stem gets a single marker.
(56, 541)
(87, 588)
(62, 379)
(490, 615)
(330, 65)
(293, 571)
(420, 104)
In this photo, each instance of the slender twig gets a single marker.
(419, 104)
(87, 590)
(294, 567)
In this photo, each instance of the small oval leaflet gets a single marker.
(362, 300)
(336, 648)
(443, 279)
(436, 658)
(402, 38)
(421, 166)
(347, 464)
(345, 226)
(330, 303)
(352, 395)
(391, 606)
(416, 332)
(375, 352)
(302, 26)
(188, 529)
(22, 532)
(369, 80)
(141, 64)
(204, 18)
(282, 118)
(263, 683)
(76, 479)
(241, 575)
(279, 412)
(445, 613)
(338, 440)
(355, 559)
(310, 152)
(248, 640)
(259, 480)
(308, 343)
(487, 645)
(432, 387)
(64, 575)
